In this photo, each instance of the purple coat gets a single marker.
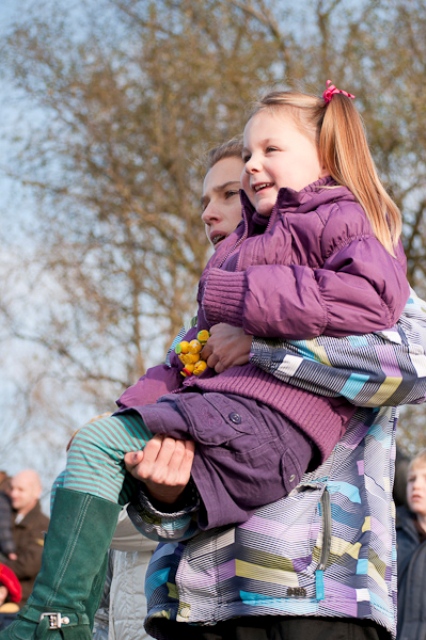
(316, 269)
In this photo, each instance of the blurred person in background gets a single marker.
(123, 604)
(10, 596)
(411, 554)
(7, 543)
(28, 528)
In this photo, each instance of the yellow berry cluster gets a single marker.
(189, 354)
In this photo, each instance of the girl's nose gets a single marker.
(252, 165)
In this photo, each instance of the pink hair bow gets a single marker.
(331, 90)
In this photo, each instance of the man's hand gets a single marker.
(164, 465)
(227, 346)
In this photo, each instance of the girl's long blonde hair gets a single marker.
(343, 150)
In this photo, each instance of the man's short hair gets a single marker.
(231, 149)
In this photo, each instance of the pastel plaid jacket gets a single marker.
(327, 549)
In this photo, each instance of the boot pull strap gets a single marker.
(52, 620)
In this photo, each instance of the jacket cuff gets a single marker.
(223, 297)
(157, 524)
(261, 353)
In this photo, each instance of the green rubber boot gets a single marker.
(68, 588)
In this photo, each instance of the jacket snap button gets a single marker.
(292, 477)
(235, 418)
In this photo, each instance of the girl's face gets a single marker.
(416, 488)
(276, 154)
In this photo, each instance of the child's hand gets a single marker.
(227, 347)
(164, 466)
(132, 460)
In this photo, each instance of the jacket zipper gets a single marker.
(326, 545)
(326, 542)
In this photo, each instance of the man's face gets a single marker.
(416, 488)
(221, 200)
(24, 493)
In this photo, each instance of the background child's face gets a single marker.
(276, 154)
(416, 488)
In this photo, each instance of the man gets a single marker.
(28, 528)
(310, 565)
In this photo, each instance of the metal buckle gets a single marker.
(55, 619)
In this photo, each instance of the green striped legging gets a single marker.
(95, 462)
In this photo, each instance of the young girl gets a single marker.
(319, 255)
(307, 261)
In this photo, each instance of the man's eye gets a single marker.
(231, 193)
(246, 157)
